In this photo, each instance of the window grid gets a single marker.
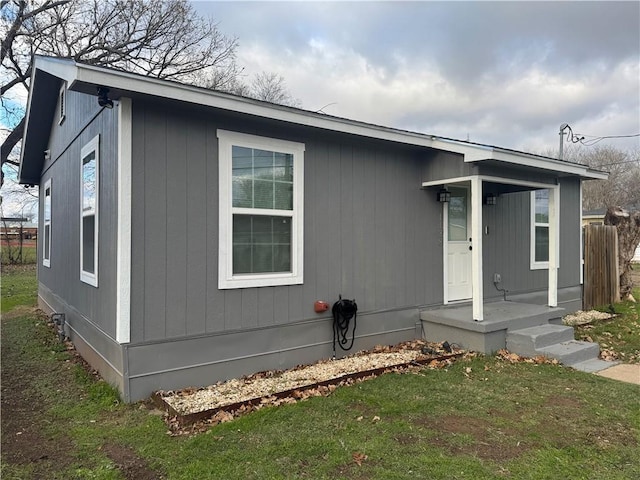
(260, 211)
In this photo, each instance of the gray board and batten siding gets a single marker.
(89, 311)
(370, 233)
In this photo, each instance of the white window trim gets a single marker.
(46, 255)
(536, 265)
(226, 278)
(88, 277)
(62, 103)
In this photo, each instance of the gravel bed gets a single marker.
(583, 318)
(222, 394)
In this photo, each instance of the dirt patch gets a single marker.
(488, 441)
(26, 400)
(130, 465)
(21, 311)
(25, 440)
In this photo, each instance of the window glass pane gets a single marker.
(262, 230)
(263, 164)
(262, 179)
(542, 244)
(458, 215)
(261, 244)
(242, 192)
(283, 196)
(542, 206)
(88, 243)
(89, 182)
(242, 258)
(47, 205)
(283, 167)
(47, 241)
(282, 258)
(263, 194)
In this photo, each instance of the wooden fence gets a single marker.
(601, 276)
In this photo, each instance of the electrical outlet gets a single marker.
(497, 278)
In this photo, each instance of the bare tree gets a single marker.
(628, 226)
(161, 38)
(271, 87)
(622, 189)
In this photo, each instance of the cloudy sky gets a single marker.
(502, 73)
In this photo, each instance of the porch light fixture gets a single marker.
(444, 195)
(103, 97)
(490, 199)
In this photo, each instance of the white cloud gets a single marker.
(505, 73)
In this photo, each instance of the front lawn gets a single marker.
(482, 418)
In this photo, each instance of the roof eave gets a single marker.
(82, 77)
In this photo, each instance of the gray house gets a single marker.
(186, 233)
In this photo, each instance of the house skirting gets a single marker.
(96, 347)
(207, 359)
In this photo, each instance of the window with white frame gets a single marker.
(261, 211)
(62, 103)
(46, 247)
(89, 181)
(540, 229)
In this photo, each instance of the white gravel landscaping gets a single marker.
(190, 401)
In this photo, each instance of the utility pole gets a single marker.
(563, 127)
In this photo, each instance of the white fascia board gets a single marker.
(125, 81)
(65, 69)
(488, 178)
(186, 93)
(535, 161)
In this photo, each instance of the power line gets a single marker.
(587, 142)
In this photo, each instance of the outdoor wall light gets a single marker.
(103, 97)
(444, 195)
(490, 199)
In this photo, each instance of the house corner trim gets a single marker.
(123, 258)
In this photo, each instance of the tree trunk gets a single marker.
(628, 226)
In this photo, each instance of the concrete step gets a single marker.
(572, 352)
(529, 341)
(593, 365)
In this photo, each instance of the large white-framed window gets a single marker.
(539, 229)
(89, 208)
(46, 246)
(261, 211)
(62, 103)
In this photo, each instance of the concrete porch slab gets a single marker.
(497, 316)
(456, 325)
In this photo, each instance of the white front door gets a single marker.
(457, 231)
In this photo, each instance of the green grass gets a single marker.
(620, 334)
(481, 418)
(29, 254)
(18, 286)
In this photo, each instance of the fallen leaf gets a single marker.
(359, 458)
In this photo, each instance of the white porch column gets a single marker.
(554, 237)
(476, 253)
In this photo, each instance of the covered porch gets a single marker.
(503, 208)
